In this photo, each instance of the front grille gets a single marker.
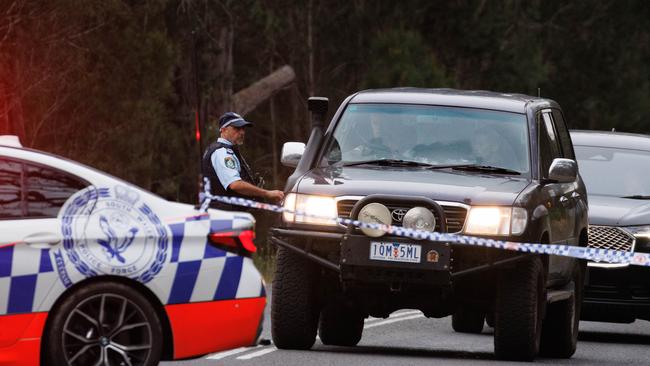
(344, 208)
(609, 237)
(455, 215)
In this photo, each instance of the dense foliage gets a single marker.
(116, 84)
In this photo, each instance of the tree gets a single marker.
(399, 57)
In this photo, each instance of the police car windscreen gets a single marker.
(431, 135)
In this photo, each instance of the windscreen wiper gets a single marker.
(485, 168)
(637, 197)
(387, 162)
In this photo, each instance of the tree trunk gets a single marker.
(274, 136)
(12, 121)
(224, 65)
(310, 49)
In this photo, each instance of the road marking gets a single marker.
(390, 321)
(374, 322)
(258, 353)
(220, 355)
(395, 315)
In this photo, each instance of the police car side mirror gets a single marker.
(563, 171)
(291, 153)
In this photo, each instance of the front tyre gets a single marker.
(467, 320)
(520, 305)
(294, 310)
(340, 325)
(489, 319)
(560, 331)
(104, 324)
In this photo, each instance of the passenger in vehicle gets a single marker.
(493, 150)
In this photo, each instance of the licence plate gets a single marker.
(395, 252)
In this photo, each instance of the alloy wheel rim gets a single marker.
(107, 329)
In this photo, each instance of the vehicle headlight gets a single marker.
(638, 231)
(321, 210)
(493, 220)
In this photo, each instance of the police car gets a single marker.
(94, 270)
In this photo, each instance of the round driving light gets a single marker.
(419, 218)
(374, 213)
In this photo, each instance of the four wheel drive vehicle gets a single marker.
(615, 169)
(95, 271)
(491, 165)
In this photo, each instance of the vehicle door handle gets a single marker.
(565, 201)
(42, 240)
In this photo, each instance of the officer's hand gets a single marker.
(275, 196)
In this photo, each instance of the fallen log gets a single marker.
(247, 99)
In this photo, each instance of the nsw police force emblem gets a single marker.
(230, 162)
(110, 231)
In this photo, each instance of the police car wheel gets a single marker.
(560, 331)
(340, 325)
(520, 305)
(294, 308)
(467, 320)
(104, 324)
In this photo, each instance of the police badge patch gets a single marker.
(230, 162)
(111, 232)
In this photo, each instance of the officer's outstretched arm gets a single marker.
(248, 189)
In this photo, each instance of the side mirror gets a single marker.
(291, 153)
(563, 170)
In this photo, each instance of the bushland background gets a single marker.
(121, 85)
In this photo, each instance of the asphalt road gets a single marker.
(408, 338)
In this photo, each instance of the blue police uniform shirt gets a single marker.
(226, 164)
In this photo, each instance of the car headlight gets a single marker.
(638, 231)
(323, 207)
(493, 220)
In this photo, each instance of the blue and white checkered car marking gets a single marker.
(198, 271)
(113, 231)
(26, 275)
(592, 254)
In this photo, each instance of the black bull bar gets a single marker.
(278, 235)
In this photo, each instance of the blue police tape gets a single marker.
(592, 254)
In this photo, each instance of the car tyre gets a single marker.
(467, 320)
(560, 330)
(104, 323)
(294, 310)
(520, 305)
(340, 326)
(489, 319)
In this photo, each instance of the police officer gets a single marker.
(227, 170)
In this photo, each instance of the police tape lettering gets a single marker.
(592, 254)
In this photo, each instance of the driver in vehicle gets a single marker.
(380, 136)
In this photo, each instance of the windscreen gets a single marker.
(431, 135)
(625, 171)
